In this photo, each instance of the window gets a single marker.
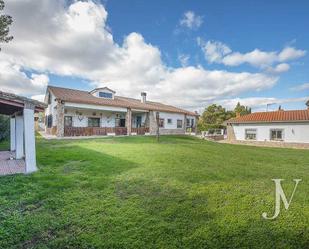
(105, 95)
(68, 121)
(188, 122)
(93, 122)
(49, 121)
(179, 123)
(276, 134)
(161, 123)
(169, 121)
(192, 122)
(120, 122)
(250, 134)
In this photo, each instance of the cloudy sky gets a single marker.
(186, 53)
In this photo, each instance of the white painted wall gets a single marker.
(293, 132)
(51, 109)
(174, 117)
(19, 136)
(107, 119)
(12, 134)
(30, 154)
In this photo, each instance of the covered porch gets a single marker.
(21, 158)
(103, 122)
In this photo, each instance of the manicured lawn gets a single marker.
(4, 145)
(136, 193)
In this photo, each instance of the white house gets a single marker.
(280, 126)
(73, 112)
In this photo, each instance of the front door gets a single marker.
(138, 121)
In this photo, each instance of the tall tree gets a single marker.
(5, 22)
(242, 110)
(213, 117)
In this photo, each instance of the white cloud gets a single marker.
(290, 53)
(191, 20)
(219, 52)
(14, 80)
(280, 68)
(302, 87)
(214, 51)
(39, 97)
(73, 40)
(184, 59)
(259, 103)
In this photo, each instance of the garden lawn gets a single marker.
(4, 145)
(133, 192)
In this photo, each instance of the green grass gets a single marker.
(4, 145)
(132, 192)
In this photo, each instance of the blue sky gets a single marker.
(187, 53)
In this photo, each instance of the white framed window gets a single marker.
(105, 95)
(161, 122)
(179, 123)
(276, 134)
(169, 121)
(188, 122)
(250, 134)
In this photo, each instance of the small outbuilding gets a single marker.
(277, 126)
(22, 155)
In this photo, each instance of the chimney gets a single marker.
(143, 99)
(237, 114)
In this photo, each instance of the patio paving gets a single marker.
(8, 166)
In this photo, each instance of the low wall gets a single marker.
(93, 131)
(171, 131)
(269, 144)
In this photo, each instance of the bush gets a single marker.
(4, 127)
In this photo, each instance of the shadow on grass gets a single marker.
(69, 178)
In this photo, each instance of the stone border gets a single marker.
(269, 144)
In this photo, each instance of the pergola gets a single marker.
(21, 110)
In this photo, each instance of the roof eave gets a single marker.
(263, 122)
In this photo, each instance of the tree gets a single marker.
(242, 110)
(213, 117)
(5, 22)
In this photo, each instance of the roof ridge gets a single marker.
(66, 88)
(73, 95)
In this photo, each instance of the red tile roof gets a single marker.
(84, 97)
(276, 116)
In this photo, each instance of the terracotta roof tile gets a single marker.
(276, 116)
(78, 96)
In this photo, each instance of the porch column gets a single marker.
(19, 142)
(12, 133)
(30, 154)
(185, 123)
(129, 121)
(60, 118)
(152, 123)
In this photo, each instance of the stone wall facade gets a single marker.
(60, 119)
(152, 123)
(129, 121)
(230, 133)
